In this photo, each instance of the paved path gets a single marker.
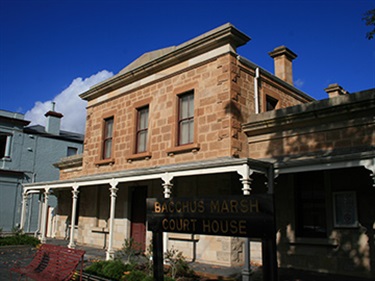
(9, 255)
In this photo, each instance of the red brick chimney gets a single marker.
(283, 58)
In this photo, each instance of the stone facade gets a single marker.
(236, 148)
(224, 99)
(333, 139)
(223, 86)
(311, 129)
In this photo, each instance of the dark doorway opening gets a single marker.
(138, 216)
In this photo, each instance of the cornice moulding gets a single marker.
(354, 106)
(225, 34)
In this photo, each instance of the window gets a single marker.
(271, 103)
(71, 151)
(5, 146)
(142, 129)
(345, 209)
(107, 139)
(186, 118)
(310, 204)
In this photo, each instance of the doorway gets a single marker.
(138, 216)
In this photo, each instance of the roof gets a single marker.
(213, 166)
(64, 135)
(13, 118)
(147, 57)
(335, 113)
(158, 60)
(344, 104)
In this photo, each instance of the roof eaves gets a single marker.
(301, 114)
(225, 34)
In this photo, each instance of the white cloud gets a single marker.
(68, 103)
(299, 83)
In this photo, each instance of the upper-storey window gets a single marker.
(107, 138)
(142, 129)
(5, 145)
(186, 118)
(271, 103)
(71, 151)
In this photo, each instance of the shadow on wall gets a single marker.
(349, 250)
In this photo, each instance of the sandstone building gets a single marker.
(199, 120)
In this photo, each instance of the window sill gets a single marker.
(6, 158)
(100, 229)
(193, 147)
(183, 237)
(102, 162)
(139, 156)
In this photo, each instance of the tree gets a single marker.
(369, 18)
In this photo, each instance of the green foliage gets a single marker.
(178, 264)
(113, 269)
(19, 239)
(369, 18)
(149, 266)
(129, 250)
(137, 275)
(140, 271)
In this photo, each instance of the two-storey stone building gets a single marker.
(199, 120)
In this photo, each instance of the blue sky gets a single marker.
(53, 49)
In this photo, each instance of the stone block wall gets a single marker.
(305, 141)
(224, 99)
(211, 84)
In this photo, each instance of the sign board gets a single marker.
(239, 216)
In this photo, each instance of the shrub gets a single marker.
(178, 264)
(113, 269)
(19, 239)
(136, 275)
(129, 250)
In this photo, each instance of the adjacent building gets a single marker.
(324, 161)
(198, 120)
(27, 155)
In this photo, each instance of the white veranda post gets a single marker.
(167, 190)
(245, 172)
(45, 212)
(113, 189)
(25, 199)
(74, 214)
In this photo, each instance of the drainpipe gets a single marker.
(256, 80)
(256, 90)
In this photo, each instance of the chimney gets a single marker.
(53, 121)
(334, 90)
(283, 58)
